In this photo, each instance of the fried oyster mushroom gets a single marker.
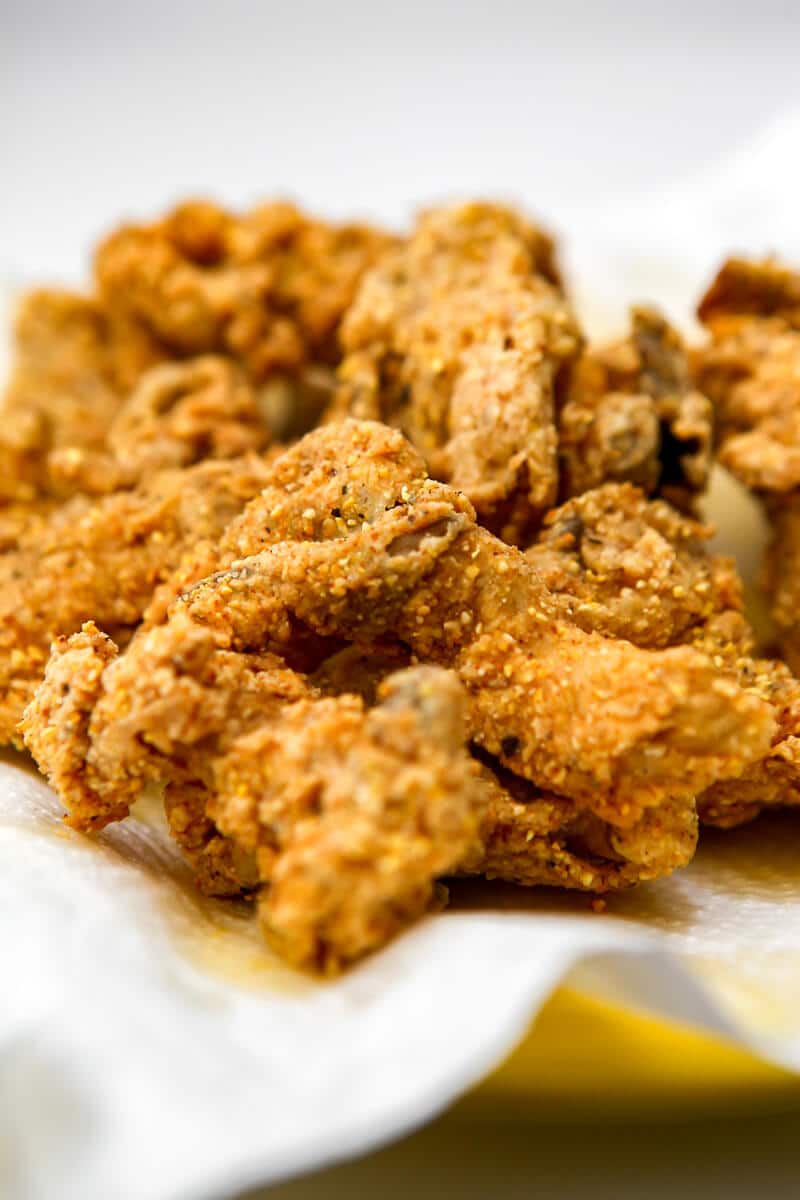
(460, 338)
(338, 818)
(102, 560)
(637, 569)
(74, 362)
(632, 414)
(353, 541)
(750, 367)
(267, 288)
(177, 414)
(534, 838)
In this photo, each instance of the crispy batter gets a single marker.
(532, 837)
(535, 838)
(384, 551)
(628, 567)
(267, 288)
(101, 561)
(636, 569)
(74, 362)
(347, 816)
(352, 815)
(459, 338)
(751, 369)
(178, 414)
(782, 574)
(632, 414)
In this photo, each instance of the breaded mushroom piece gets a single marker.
(750, 367)
(352, 540)
(624, 566)
(74, 361)
(531, 837)
(102, 561)
(177, 414)
(267, 288)
(339, 818)
(633, 414)
(460, 339)
(353, 815)
(637, 569)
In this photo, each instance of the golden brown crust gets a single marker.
(632, 568)
(387, 551)
(177, 414)
(750, 367)
(457, 338)
(639, 570)
(633, 414)
(267, 288)
(74, 361)
(102, 561)
(352, 814)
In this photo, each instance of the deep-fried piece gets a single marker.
(782, 575)
(632, 414)
(775, 779)
(352, 815)
(532, 837)
(348, 816)
(632, 568)
(102, 561)
(103, 724)
(178, 414)
(388, 551)
(267, 288)
(636, 569)
(74, 361)
(750, 368)
(459, 339)
(536, 838)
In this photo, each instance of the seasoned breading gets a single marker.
(267, 288)
(74, 362)
(345, 817)
(536, 838)
(637, 569)
(102, 561)
(750, 367)
(352, 814)
(632, 568)
(460, 338)
(633, 414)
(177, 414)
(352, 540)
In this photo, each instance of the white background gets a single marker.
(109, 109)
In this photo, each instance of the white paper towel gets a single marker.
(152, 1049)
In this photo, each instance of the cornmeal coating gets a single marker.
(74, 362)
(750, 367)
(536, 838)
(352, 814)
(267, 287)
(637, 569)
(632, 413)
(102, 561)
(339, 817)
(386, 551)
(177, 414)
(632, 568)
(782, 574)
(460, 338)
